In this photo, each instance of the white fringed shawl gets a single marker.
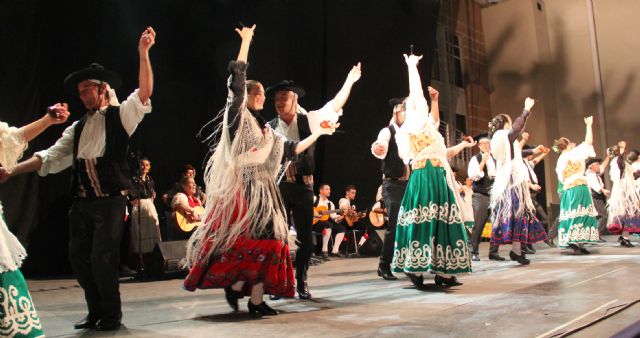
(12, 145)
(625, 199)
(240, 175)
(511, 174)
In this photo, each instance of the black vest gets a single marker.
(598, 195)
(483, 185)
(392, 165)
(111, 170)
(305, 162)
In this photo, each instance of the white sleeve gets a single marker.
(132, 111)
(384, 136)
(12, 145)
(473, 171)
(60, 155)
(585, 151)
(592, 182)
(333, 216)
(179, 198)
(326, 113)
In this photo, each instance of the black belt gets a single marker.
(401, 179)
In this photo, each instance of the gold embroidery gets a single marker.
(575, 183)
(572, 168)
(432, 256)
(419, 164)
(420, 141)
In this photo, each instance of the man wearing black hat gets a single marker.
(96, 148)
(297, 184)
(395, 175)
(594, 172)
(482, 171)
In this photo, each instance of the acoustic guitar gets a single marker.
(377, 215)
(352, 217)
(322, 213)
(183, 220)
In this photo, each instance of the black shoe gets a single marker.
(531, 250)
(522, 259)
(386, 274)
(526, 250)
(126, 271)
(475, 257)
(418, 281)
(575, 248)
(584, 251)
(260, 310)
(274, 297)
(496, 257)
(108, 325)
(339, 254)
(625, 242)
(303, 291)
(325, 257)
(550, 243)
(602, 240)
(232, 297)
(86, 323)
(451, 281)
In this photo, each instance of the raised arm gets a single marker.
(145, 78)
(342, 96)
(524, 139)
(435, 108)
(588, 137)
(238, 81)
(518, 125)
(544, 152)
(415, 86)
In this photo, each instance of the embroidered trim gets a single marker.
(577, 233)
(20, 314)
(579, 211)
(423, 214)
(432, 257)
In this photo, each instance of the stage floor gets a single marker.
(557, 292)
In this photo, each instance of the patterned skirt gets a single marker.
(430, 234)
(525, 229)
(252, 260)
(578, 222)
(18, 317)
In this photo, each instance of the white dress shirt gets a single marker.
(474, 172)
(594, 181)
(92, 141)
(326, 202)
(532, 174)
(384, 137)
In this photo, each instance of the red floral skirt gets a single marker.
(253, 261)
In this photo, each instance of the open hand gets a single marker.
(355, 74)
(528, 103)
(246, 33)
(412, 60)
(588, 120)
(468, 142)
(147, 39)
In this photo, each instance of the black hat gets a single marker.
(286, 85)
(478, 137)
(396, 101)
(95, 71)
(592, 160)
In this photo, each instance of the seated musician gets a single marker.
(187, 170)
(351, 216)
(185, 201)
(330, 225)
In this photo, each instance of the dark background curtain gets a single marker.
(314, 43)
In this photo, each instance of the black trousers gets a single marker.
(95, 231)
(298, 201)
(392, 193)
(480, 203)
(553, 230)
(603, 214)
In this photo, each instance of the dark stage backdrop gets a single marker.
(314, 43)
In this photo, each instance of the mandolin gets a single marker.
(322, 213)
(183, 220)
(352, 217)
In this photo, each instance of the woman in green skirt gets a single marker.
(18, 317)
(578, 223)
(430, 234)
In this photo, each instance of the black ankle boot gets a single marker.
(418, 281)
(260, 310)
(232, 297)
(451, 281)
(520, 259)
(385, 273)
(625, 242)
(303, 289)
